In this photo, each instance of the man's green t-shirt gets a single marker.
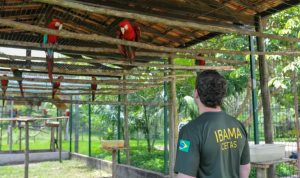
(213, 145)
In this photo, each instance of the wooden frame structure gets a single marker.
(169, 28)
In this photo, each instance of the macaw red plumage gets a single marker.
(55, 86)
(4, 83)
(93, 87)
(67, 112)
(200, 62)
(51, 39)
(129, 33)
(18, 73)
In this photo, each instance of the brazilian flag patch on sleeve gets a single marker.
(184, 145)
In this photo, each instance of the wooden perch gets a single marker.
(68, 94)
(115, 41)
(110, 71)
(130, 15)
(148, 54)
(102, 82)
(77, 89)
(82, 102)
(124, 62)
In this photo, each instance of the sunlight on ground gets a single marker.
(69, 168)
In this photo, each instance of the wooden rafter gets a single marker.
(204, 27)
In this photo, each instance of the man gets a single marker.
(214, 145)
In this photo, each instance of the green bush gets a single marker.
(283, 169)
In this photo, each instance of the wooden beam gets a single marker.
(78, 89)
(124, 14)
(121, 62)
(82, 102)
(99, 82)
(68, 94)
(149, 54)
(161, 48)
(111, 72)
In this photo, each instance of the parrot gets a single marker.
(129, 33)
(4, 83)
(56, 86)
(18, 73)
(93, 87)
(45, 115)
(200, 62)
(67, 112)
(51, 39)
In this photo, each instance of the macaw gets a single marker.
(51, 39)
(4, 83)
(129, 33)
(55, 86)
(18, 73)
(200, 62)
(45, 115)
(67, 112)
(93, 87)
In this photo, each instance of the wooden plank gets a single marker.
(284, 160)
(114, 148)
(129, 15)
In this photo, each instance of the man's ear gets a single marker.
(196, 94)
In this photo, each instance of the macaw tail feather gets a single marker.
(3, 101)
(50, 70)
(130, 53)
(93, 96)
(21, 89)
(53, 94)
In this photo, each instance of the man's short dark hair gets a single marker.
(211, 87)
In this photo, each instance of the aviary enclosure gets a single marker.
(96, 58)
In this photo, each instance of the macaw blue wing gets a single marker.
(45, 38)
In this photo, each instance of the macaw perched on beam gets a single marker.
(51, 39)
(129, 33)
(4, 83)
(56, 86)
(200, 62)
(93, 87)
(18, 73)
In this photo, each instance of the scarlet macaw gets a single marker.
(4, 83)
(129, 33)
(200, 62)
(45, 115)
(56, 86)
(51, 39)
(18, 73)
(93, 87)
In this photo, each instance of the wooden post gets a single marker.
(265, 94)
(126, 130)
(60, 139)
(261, 172)
(20, 137)
(26, 150)
(114, 166)
(52, 139)
(173, 124)
(296, 107)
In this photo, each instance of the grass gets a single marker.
(69, 168)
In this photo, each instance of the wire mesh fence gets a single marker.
(146, 133)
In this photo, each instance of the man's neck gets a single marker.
(206, 109)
